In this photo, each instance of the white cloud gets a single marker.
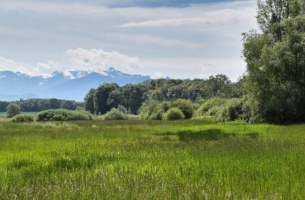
(165, 22)
(194, 68)
(46, 69)
(145, 39)
(10, 65)
(41, 69)
(100, 60)
(216, 16)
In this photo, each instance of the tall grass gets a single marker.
(151, 160)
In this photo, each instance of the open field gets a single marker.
(151, 160)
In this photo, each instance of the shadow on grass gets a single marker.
(209, 134)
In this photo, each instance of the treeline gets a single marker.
(132, 96)
(37, 105)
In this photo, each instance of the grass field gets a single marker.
(151, 160)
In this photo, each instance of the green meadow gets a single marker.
(136, 159)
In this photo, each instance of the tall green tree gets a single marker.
(275, 60)
(12, 109)
(101, 97)
(89, 101)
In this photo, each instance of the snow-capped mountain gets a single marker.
(72, 85)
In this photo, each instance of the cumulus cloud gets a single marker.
(10, 65)
(95, 60)
(100, 60)
(46, 69)
(41, 69)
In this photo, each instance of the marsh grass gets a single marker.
(151, 160)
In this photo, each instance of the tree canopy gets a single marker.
(132, 96)
(275, 59)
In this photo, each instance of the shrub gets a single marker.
(63, 115)
(231, 111)
(153, 110)
(115, 114)
(186, 106)
(250, 111)
(23, 118)
(215, 112)
(213, 102)
(173, 114)
(122, 109)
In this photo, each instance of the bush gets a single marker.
(23, 118)
(115, 114)
(186, 106)
(215, 112)
(213, 102)
(250, 111)
(173, 114)
(231, 111)
(122, 109)
(153, 110)
(63, 115)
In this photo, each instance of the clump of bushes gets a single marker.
(153, 110)
(63, 115)
(23, 118)
(224, 110)
(186, 106)
(116, 114)
(211, 103)
(173, 114)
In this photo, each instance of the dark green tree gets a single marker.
(89, 101)
(275, 60)
(101, 97)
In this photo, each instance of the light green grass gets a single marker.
(151, 160)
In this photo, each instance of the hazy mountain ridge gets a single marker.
(73, 85)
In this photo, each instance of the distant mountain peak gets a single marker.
(71, 85)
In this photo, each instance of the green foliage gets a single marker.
(186, 106)
(116, 114)
(232, 110)
(12, 109)
(63, 115)
(89, 101)
(153, 110)
(276, 61)
(133, 96)
(122, 109)
(213, 102)
(3, 105)
(101, 97)
(37, 105)
(23, 118)
(173, 114)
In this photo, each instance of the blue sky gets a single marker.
(180, 39)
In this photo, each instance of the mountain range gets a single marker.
(73, 85)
